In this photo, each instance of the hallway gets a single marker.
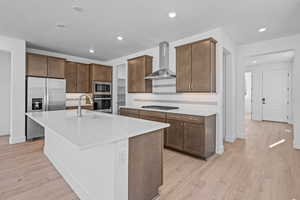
(248, 170)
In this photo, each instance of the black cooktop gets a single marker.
(160, 107)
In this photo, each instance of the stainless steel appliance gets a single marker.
(103, 103)
(101, 88)
(161, 107)
(43, 94)
(163, 72)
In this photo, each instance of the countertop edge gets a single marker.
(176, 111)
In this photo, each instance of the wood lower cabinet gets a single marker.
(130, 112)
(174, 134)
(36, 65)
(138, 69)
(196, 66)
(56, 67)
(145, 165)
(194, 135)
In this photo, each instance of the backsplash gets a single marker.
(73, 98)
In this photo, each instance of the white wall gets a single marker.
(17, 91)
(189, 101)
(269, 46)
(5, 93)
(248, 86)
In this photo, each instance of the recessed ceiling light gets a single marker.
(263, 29)
(77, 8)
(120, 38)
(92, 51)
(254, 61)
(60, 25)
(172, 14)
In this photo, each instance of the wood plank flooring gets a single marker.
(248, 170)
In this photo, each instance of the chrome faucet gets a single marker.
(79, 110)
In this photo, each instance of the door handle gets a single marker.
(263, 100)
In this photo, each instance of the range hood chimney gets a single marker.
(164, 72)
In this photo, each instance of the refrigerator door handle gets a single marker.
(46, 96)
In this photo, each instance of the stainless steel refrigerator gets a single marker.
(43, 94)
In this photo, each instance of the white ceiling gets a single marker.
(143, 24)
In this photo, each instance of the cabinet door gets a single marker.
(36, 65)
(183, 68)
(194, 139)
(145, 166)
(83, 78)
(138, 68)
(202, 74)
(56, 67)
(101, 73)
(136, 75)
(71, 77)
(175, 134)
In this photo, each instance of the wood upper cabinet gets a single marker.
(77, 77)
(138, 69)
(174, 134)
(183, 68)
(56, 67)
(36, 65)
(71, 77)
(196, 66)
(83, 78)
(100, 73)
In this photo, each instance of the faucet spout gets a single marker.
(79, 109)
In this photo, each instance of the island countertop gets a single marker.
(93, 128)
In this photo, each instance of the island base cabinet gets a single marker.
(145, 166)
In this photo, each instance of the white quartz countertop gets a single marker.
(197, 111)
(93, 128)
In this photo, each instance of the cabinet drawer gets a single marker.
(153, 114)
(129, 110)
(186, 118)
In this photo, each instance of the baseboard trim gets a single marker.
(230, 139)
(4, 133)
(220, 149)
(13, 140)
(69, 178)
(296, 146)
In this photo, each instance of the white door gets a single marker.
(275, 95)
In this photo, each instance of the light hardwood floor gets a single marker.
(248, 170)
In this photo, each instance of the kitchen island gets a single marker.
(104, 156)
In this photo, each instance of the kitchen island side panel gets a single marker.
(91, 173)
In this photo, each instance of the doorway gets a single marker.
(268, 87)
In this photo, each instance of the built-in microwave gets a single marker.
(101, 88)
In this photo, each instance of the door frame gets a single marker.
(258, 115)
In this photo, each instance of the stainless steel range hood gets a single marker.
(164, 72)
